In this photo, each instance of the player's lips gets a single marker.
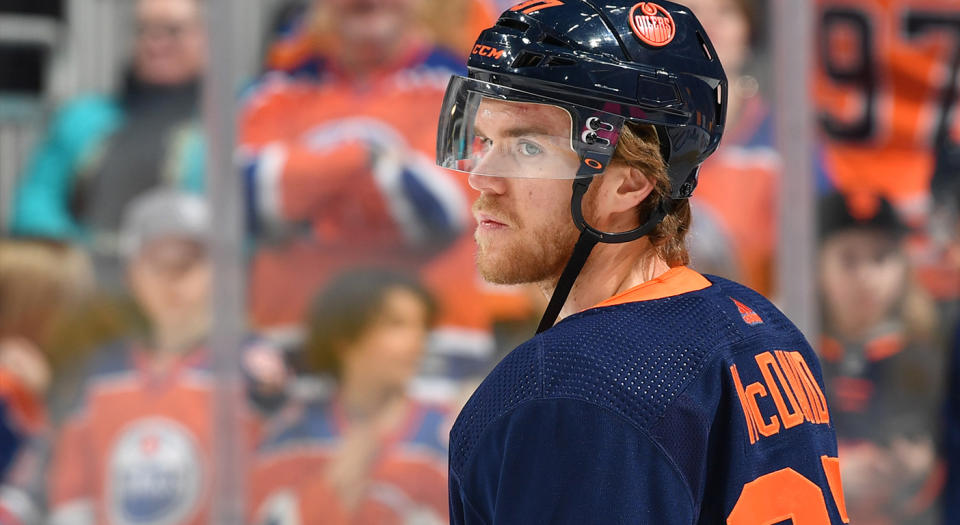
(489, 222)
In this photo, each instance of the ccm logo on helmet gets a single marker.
(535, 5)
(652, 24)
(487, 51)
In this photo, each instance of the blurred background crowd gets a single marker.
(366, 324)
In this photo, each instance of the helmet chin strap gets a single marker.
(589, 237)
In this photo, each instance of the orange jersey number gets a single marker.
(786, 494)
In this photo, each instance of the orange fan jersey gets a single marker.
(138, 451)
(355, 160)
(886, 88)
(406, 482)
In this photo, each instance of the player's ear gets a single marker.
(636, 187)
(617, 193)
(623, 188)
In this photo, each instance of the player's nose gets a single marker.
(489, 184)
(486, 175)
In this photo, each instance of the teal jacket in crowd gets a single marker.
(77, 136)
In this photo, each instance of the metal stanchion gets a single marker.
(225, 197)
(793, 40)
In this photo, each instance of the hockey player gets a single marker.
(661, 395)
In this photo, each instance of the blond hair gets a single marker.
(639, 148)
(38, 281)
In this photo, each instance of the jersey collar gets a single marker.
(675, 281)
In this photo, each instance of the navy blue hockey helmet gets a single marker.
(605, 62)
(583, 69)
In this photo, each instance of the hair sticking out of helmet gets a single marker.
(639, 148)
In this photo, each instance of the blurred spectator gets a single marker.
(883, 73)
(885, 95)
(344, 141)
(738, 186)
(949, 207)
(451, 24)
(40, 281)
(369, 453)
(136, 449)
(935, 249)
(455, 24)
(102, 151)
(342, 145)
(882, 365)
(41, 284)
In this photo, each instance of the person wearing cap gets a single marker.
(883, 365)
(137, 447)
(651, 394)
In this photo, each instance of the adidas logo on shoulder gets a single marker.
(749, 316)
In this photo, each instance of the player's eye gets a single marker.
(529, 149)
(480, 146)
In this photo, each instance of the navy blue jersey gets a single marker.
(685, 400)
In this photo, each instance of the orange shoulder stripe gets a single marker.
(676, 281)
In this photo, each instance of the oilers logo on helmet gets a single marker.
(652, 24)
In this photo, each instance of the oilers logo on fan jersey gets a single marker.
(156, 474)
(137, 451)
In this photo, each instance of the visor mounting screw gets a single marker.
(596, 124)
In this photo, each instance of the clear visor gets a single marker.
(491, 130)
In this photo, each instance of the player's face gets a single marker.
(524, 229)
(862, 276)
(366, 22)
(170, 44)
(389, 353)
(171, 280)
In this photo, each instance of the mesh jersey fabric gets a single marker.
(637, 413)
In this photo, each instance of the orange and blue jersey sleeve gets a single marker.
(300, 167)
(21, 416)
(287, 179)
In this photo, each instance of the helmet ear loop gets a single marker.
(589, 237)
(576, 210)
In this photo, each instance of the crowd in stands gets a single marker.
(368, 323)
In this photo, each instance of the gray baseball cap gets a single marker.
(163, 213)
